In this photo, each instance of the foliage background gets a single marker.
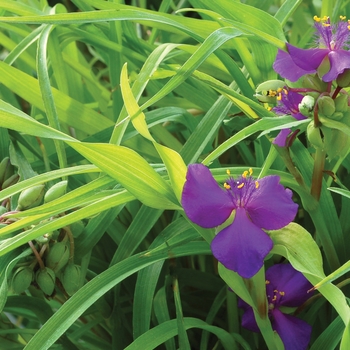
(118, 99)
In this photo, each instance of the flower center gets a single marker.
(241, 189)
(275, 299)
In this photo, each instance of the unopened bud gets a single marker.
(71, 278)
(57, 257)
(312, 81)
(56, 191)
(3, 165)
(13, 179)
(77, 228)
(314, 135)
(326, 106)
(341, 103)
(306, 105)
(343, 79)
(21, 279)
(268, 90)
(30, 197)
(46, 278)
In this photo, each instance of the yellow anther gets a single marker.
(245, 173)
(228, 172)
(240, 185)
(285, 91)
(282, 293)
(250, 171)
(279, 90)
(275, 291)
(227, 186)
(267, 282)
(326, 25)
(349, 27)
(257, 184)
(317, 19)
(274, 298)
(279, 97)
(325, 18)
(269, 108)
(342, 17)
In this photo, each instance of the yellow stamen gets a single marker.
(274, 298)
(279, 97)
(269, 108)
(325, 18)
(326, 25)
(228, 172)
(227, 186)
(267, 282)
(349, 27)
(317, 19)
(285, 91)
(282, 293)
(342, 17)
(240, 185)
(245, 173)
(279, 90)
(250, 171)
(257, 184)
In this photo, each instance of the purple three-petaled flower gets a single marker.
(288, 102)
(258, 204)
(333, 42)
(285, 287)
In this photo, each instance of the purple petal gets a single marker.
(286, 68)
(295, 333)
(307, 59)
(284, 278)
(281, 139)
(339, 61)
(248, 318)
(204, 202)
(242, 246)
(271, 206)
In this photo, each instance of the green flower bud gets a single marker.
(3, 210)
(30, 197)
(56, 191)
(336, 116)
(44, 238)
(46, 278)
(326, 106)
(306, 105)
(13, 179)
(314, 135)
(268, 91)
(21, 279)
(3, 165)
(71, 278)
(312, 81)
(57, 257)
(341, 103)
(343, 79)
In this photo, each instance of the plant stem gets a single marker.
(317, 174)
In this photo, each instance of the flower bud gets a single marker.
(341, 103)
(77, 228)
(56, 191)
(3, 210)
(30, 197)
(3, 165)
(343, 79)
(13, 179)
(314, 135)
(46, 278)
(306, 105)
(268, 90)
(312, 81)
(326, 106)
(71, 278)
(21, 280)
(57, 257)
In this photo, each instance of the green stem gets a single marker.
(317, 175)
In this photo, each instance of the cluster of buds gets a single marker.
(49, 263)
(320, 76)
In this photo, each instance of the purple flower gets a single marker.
(288, 102)
(258, 204)
(285, 287)
(332, 40)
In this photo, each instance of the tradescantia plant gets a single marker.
(174, 174)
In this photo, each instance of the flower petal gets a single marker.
(281, 139)
(307, 59)
(286, 68)
(248, 318)
(295, 333)
(339, 61)
(242, 246)
(283, 277)
(204, 202)
(271, 206)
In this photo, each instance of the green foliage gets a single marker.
(102, 107)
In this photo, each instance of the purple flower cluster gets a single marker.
(258, 205)
(285, 287)
(331, 55)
